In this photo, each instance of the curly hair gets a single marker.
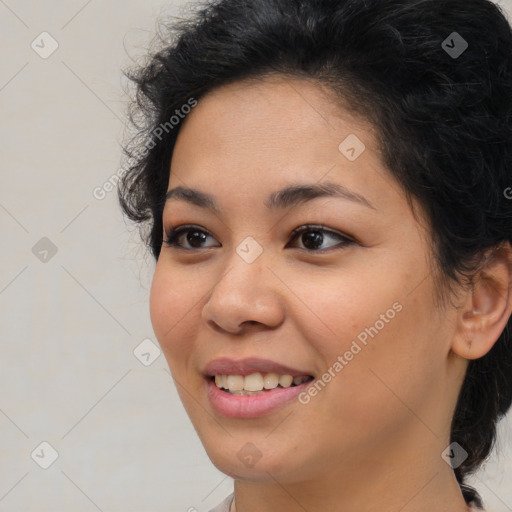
(443, 123)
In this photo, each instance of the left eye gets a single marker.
(315, 236)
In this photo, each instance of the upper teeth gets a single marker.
(256, 381)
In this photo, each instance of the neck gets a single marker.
(407, 485)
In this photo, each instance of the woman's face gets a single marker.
(350, 304)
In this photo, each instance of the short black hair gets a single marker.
(433, 76)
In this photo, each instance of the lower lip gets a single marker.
(251, 406)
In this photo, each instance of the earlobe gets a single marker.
(487, 307)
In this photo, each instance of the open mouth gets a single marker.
(256, 384)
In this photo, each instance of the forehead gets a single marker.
(271, 126)
(299, 104)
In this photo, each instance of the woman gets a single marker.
(327, 191)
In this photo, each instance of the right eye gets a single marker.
(194, 236)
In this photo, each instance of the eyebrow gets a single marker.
(287, 197)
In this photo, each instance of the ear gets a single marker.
(487, 306)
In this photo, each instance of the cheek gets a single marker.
(377, 308)
(383, 347)
(348, 310)
(172, 311)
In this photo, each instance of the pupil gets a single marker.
(190, 237)
(313, 236)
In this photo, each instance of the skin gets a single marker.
(372, 438)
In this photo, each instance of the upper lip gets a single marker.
(226, 366)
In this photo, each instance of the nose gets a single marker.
(245, 294)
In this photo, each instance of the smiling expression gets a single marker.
(242, 284)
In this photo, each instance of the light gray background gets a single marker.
(70, 323)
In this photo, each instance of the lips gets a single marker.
(252, 406)
(247, 366)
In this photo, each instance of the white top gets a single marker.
(225, 505)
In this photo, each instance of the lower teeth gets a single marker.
(244, 392)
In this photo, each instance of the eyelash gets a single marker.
(171, 237)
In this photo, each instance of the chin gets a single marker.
(242, 460)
